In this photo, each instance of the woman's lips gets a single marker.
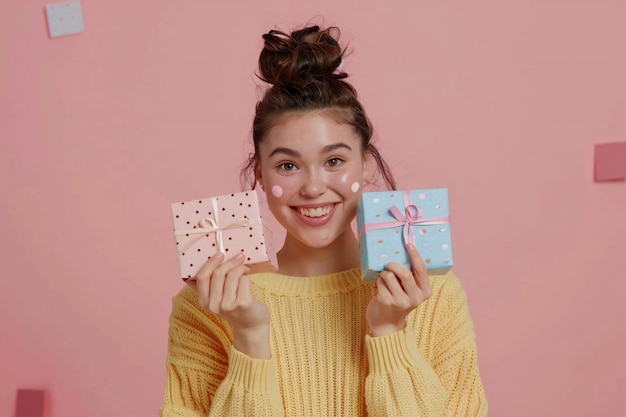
(315, 215)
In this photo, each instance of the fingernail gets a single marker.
(411, 246)
(239, 256)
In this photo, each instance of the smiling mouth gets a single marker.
(315, 212)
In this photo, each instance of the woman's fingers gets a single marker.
(414, 283)
(210, 280)
(232, 288)
(244, 292)
(218, 279)
(400, 290)
(417, 263)
(203, 279)
(419, 270)
(405, 279)
(392, 284)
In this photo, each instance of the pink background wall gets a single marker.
(501, 102)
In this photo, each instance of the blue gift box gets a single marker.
(386, 219)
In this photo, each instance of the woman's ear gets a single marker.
(258, 177)
(368, 165)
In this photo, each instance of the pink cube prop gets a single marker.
(229, 224)
(610, 162)
(30, 403)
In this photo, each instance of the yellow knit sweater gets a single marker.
(323, 362)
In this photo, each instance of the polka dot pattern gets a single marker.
(379, 247)
(237, 215)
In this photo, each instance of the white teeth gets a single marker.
(315, 212)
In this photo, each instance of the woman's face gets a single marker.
(312, 170)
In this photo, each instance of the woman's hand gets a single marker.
(224, 289)
(399, 292)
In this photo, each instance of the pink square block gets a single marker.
(230, 224)
(29, 403)
(610, 162)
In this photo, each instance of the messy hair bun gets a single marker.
(304, 72)
(306, 56)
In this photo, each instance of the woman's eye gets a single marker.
(333, 162)
(287, 166)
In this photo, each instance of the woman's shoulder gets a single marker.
(448, 287)
(447, 279)
(185, 303)
(185, 295)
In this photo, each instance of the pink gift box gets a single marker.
(228, 223)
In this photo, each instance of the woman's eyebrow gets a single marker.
(286, 151)
(325, 149)
(335, 146)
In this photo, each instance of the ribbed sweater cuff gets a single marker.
(389, 353)
(254, 375)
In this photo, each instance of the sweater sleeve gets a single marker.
(441, 381)
(207, 376)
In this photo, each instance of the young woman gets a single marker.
(313, 339)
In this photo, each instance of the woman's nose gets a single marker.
(314, 184)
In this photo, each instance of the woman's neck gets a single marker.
(297, 259)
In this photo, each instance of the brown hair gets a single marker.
(304, 72)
